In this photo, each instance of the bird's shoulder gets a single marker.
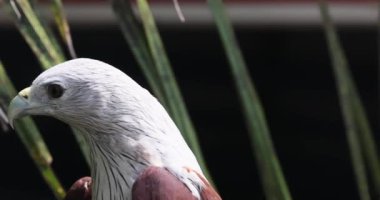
(80, 190)
(159, 183)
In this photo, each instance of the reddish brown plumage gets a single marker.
(208, 192)
(80, 190)
(156, 183)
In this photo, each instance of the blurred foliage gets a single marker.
(41, 40)
(142, 35)
(32, 139)
(359, 134)
(272, 178)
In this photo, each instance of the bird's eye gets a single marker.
(55, 91)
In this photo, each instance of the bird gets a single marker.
(136, 150)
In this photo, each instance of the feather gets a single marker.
(207, 192)
(80, 190)
(159, 183)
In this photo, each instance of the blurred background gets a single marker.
(285, 49)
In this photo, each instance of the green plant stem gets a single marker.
(135, 37)
(29, 35)
(37, 149)
(43, 36)
(43, 43)
(175, 103)
(32, 140)
(63, 26)
(359, 134)
(273, 180)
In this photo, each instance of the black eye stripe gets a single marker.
(55, 91)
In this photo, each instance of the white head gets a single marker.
(81, 92)
(118, 117)
(96, 97)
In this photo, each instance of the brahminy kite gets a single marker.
(136, 150)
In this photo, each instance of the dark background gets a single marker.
(291, 69)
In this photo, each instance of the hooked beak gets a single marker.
(19, 106)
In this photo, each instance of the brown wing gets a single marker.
(159, 184)
(154, 183)
(80, 190)
(208, 192)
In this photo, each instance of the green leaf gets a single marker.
(30, 136)
(36, 35)
(359, 134)
(149, 51)
(63, 26)
(135, 37)
(273, 180)
(42, 42)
